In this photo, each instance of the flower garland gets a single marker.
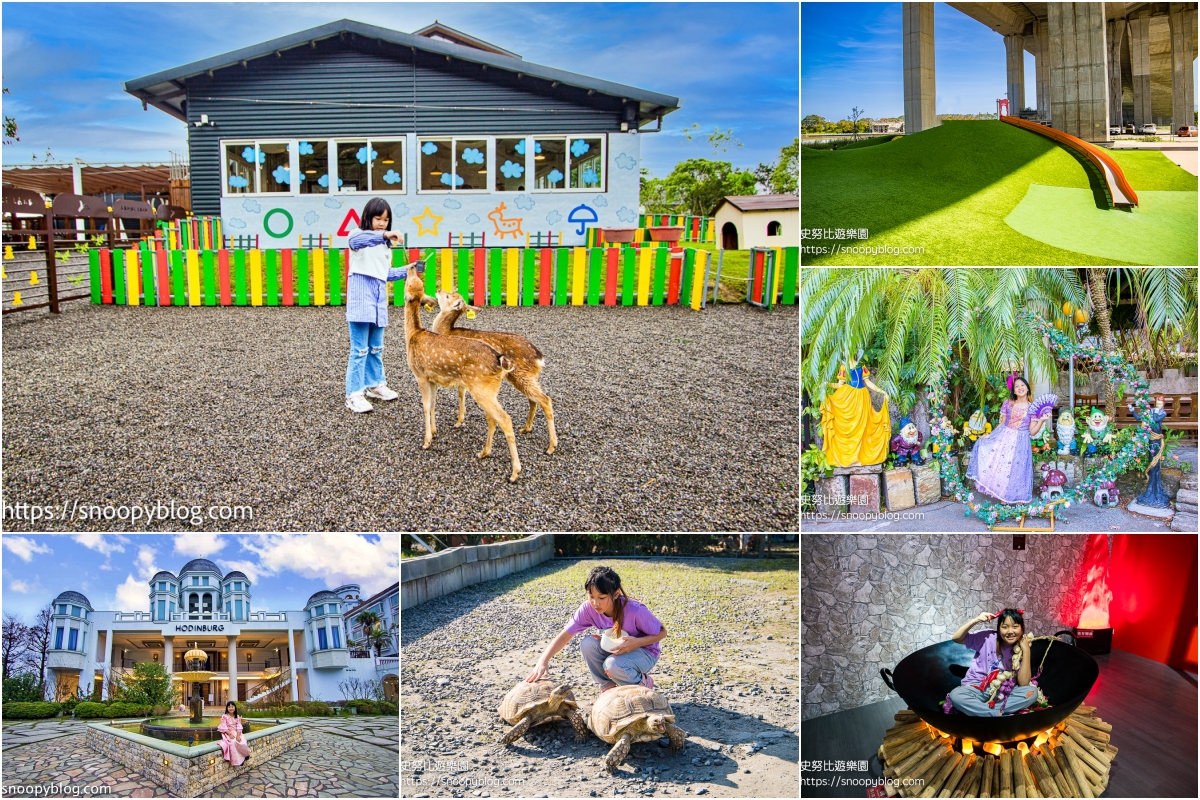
(1000, 683)
(1114, 363)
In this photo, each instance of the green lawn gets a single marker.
(949, 189)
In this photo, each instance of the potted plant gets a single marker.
(618, 235)
(813, 466)
(666, 233)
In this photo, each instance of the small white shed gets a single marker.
(760, 220)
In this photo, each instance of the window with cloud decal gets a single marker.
(470, 165)
(587, 163)
(274, 169)
(387, 168)
(436, 164)
(510, 165)
(239, 170)
(550, 163)
(314, 165)
(351, 172)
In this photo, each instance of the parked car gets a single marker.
(1149, 127)
(1129, 128)
(1114, 130)
(1187, 130)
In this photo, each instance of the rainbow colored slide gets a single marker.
(1119, 190)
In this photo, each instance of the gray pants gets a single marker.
(973, 703)
(624, 670)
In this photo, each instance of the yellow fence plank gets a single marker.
(512, 273)
(645, 268)
(256, 278)
(578, 275)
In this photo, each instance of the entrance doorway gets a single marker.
(729, 236)
(391, 688)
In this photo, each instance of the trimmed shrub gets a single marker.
(388, 707)
(70, 703)
(364, 706)
(293, 711)
(110, 711)
(91, 710)
(316, 708)
(32, 710)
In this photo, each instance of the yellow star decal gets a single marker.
(422, 227)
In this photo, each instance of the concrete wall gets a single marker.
(431, 576)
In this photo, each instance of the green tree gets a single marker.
(653, 194)
(813, 122)
(148, 684)
(10, 127)
(697, 185)
(782, 176)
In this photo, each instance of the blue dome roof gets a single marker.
(73, 597)
(163, 574)
(324, 594)
(236, 574)
(197, 564)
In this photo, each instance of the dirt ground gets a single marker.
(729, 668)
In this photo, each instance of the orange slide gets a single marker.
(1119, 190)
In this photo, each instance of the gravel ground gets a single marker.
(667, 419)
(728, 668)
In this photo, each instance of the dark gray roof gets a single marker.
(199, 564)
(164, 89)
(322, 595)
(73, 597)
(236, 574)
(762, 202)
(163, 574)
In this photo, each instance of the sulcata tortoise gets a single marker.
(529, 704)
(628, 714)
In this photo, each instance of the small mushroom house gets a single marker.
(292, 136)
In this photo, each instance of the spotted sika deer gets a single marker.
(454, 362)
(526, 357)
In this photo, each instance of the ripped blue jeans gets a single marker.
(623, 670)
(366, 357)
(972, 702)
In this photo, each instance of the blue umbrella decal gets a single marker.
(582, 214)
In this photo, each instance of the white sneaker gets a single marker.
(358, 404)
(381, 392)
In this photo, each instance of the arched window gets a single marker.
(773, 228)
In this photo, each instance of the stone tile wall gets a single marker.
(867, 601)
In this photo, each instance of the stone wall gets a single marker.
(431, 576)
(188, 771)
(868, 601)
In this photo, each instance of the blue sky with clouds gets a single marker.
(113, 571)
(852, 55)
(733, 65)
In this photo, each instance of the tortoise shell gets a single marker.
(619, 708)
(526, 697)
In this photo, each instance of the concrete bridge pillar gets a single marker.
(1183, 51)
(1039, 45)
(1078, 70)
(1115, 36)
(1014, 50)
(1139, 58)
(920, 84)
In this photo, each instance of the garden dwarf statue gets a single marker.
(976, 426)
(1041, 442)
(1155, 495)
(1066, 433)
(907, 443)
(1106, 495)
(944, 426)
(1097, 435)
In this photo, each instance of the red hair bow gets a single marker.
(1001, 611)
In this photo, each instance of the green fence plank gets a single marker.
(529, 275)
(595, 275)
(208, 269)
(629, 259)
(791, 275)
(271, 277)
(178, 278)
(495, 267)
(464, 273)
(660, 276)
(399, 259)
(303, 288)
(562, 270)
(239, 277)
(685, 276)
(94, 275)
(146, 261)
(118, 268)
(335, 277)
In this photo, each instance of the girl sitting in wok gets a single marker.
(998, 682)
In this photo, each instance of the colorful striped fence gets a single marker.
(192, 233)
(486, 277)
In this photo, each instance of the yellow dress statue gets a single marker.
(854, 432)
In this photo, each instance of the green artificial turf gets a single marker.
(948, 190)
(1160, 231)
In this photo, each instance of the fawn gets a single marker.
(454, 362)
(526, 357)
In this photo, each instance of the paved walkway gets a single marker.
(339, 758)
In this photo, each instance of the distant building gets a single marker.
(887, 127)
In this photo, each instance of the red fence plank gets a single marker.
(164, 277)
(223, 276)
(106, 287)
(610, 282)
(544, 279)
(479, 298)
(286, 279)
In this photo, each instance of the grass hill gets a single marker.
(948, 190)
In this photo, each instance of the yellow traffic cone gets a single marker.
(17, 299)
(32, 243)
(8, 253)
(33, 278)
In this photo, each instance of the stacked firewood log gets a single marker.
(1070, 760)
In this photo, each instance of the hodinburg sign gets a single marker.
(200, 629)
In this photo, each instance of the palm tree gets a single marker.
(369, 621)
(923, 311)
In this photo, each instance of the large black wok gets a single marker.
(925, 677)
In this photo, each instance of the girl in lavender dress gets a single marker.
(1002, 461)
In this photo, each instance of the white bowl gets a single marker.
(607, 643)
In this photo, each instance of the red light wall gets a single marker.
(1153, 608)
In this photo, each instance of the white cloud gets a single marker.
(104, 543)
(248, 567)
(197, 545)
(24, 548)
(335, 558)
(144, 563)
(24, 587)
(133, 595)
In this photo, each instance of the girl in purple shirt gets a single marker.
(637, 630)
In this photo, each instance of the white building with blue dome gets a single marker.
(201, 607)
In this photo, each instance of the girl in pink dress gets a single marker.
(233, 743)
